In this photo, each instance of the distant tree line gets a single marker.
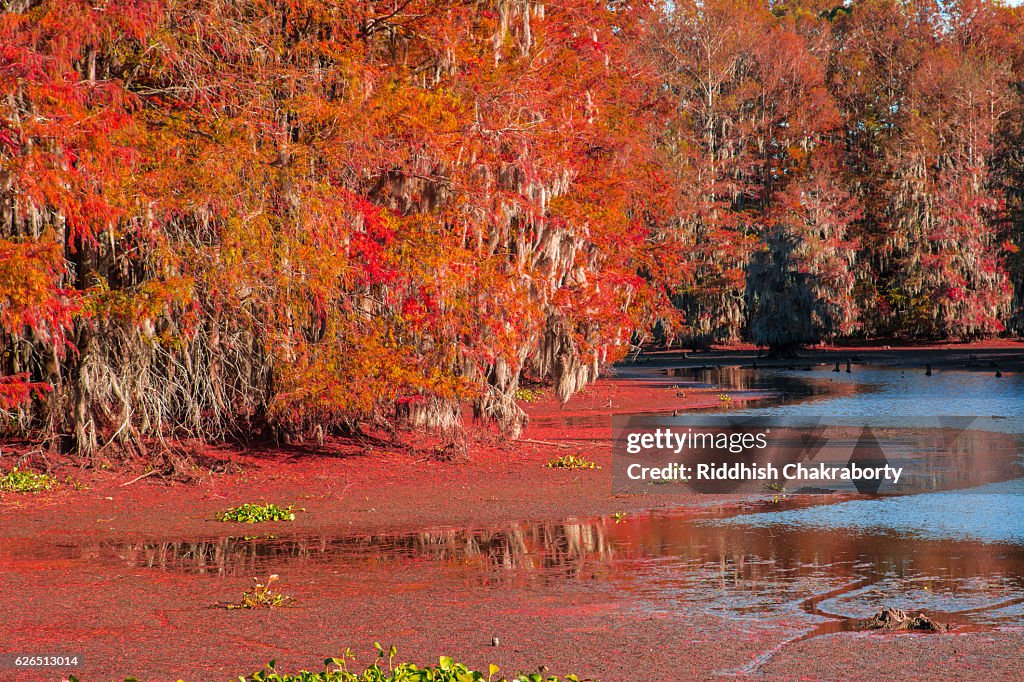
(850, 170)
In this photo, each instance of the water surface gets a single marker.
(819, 562)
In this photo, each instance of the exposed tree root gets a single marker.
(898, 619)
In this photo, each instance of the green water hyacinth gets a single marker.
(256, 513)
(571, 462)
(447, 670)
(25, 482)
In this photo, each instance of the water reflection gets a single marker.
(734, 568)
(868, 392)
(988, 513)
(556, 551)
(664, 562)
(884, 393)
(794, 386)
(755, 387)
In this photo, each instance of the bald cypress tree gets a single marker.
(780, 297)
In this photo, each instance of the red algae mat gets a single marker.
(445, 558)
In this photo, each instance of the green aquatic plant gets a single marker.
(337, 670)
(528, 395)
(262, 596)
(256, 513)
(571, 462)
(16, 481)
(447, 670)
(75, 483)
(778, 490)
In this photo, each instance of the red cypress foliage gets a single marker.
(223, 216)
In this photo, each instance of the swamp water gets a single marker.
(824, 561)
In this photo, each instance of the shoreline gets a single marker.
(363, 482)
(1005, 354)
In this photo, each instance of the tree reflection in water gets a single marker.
(662, 561)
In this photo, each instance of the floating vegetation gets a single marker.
(256, 513)
(571, 462)
(262, 596)
(25, 482)
(447, 670)
(528, 395)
